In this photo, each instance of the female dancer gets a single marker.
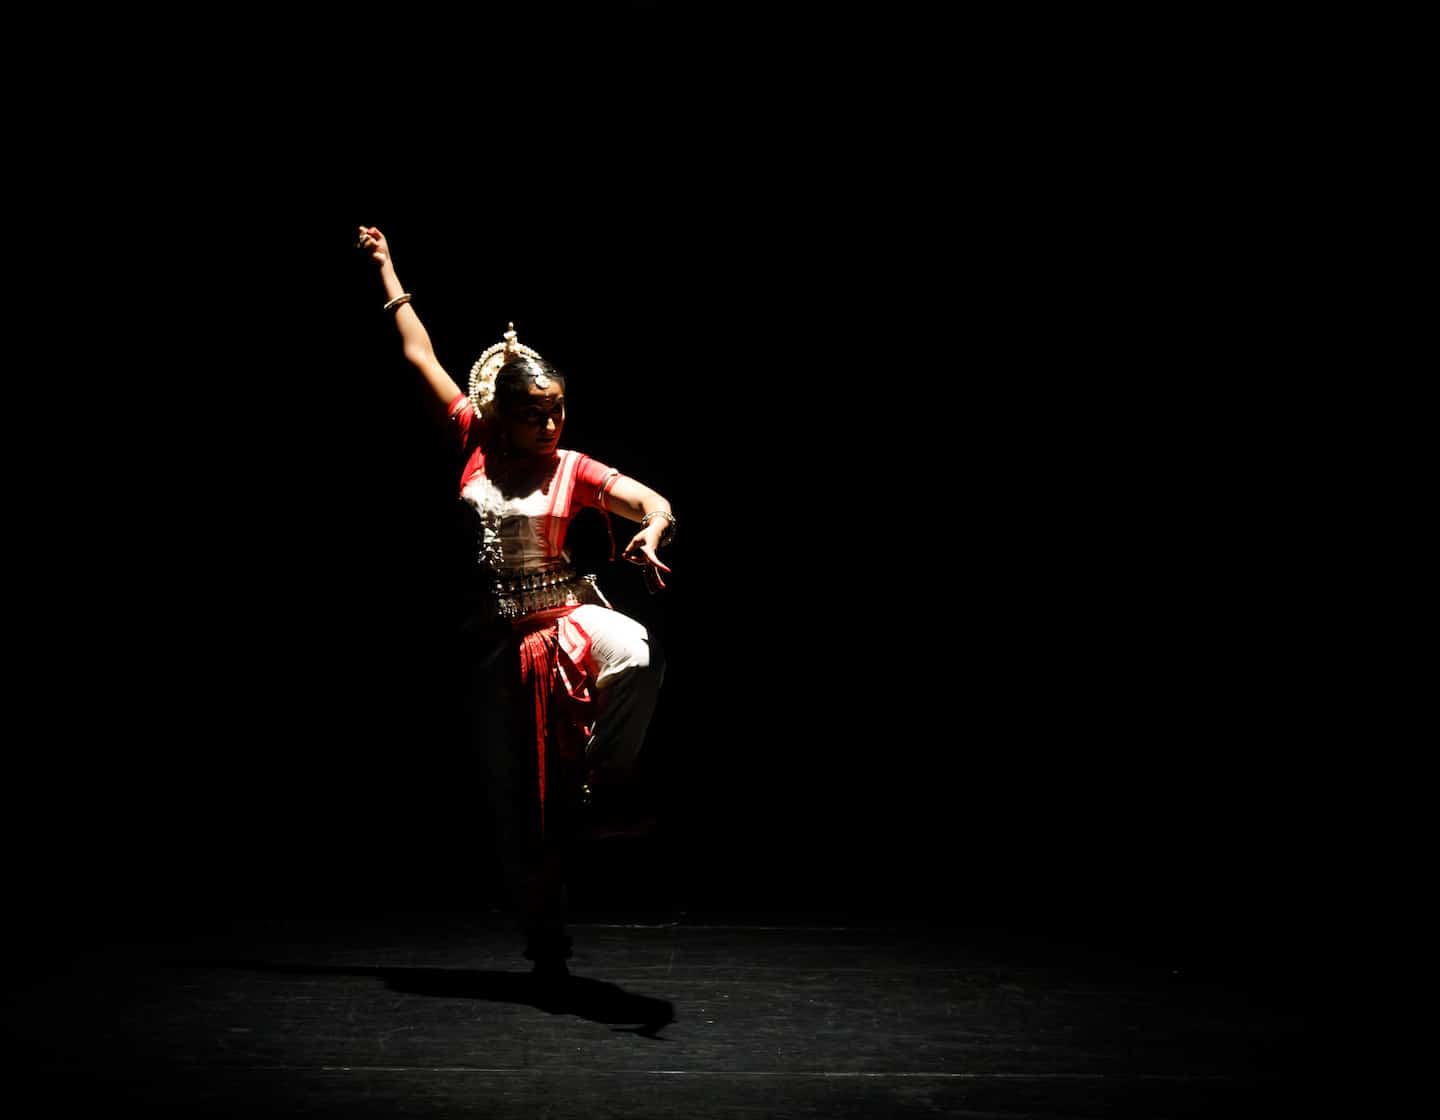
(561, 686)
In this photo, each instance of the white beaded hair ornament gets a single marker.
(482, 373)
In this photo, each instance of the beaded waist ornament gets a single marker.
(557, 584)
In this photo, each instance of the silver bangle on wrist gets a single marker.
(669, 534)
(402, 298)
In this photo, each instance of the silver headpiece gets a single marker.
(482, 373)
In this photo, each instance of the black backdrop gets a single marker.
(980, 607)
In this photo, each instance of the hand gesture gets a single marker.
(373, 241)
(641, 550)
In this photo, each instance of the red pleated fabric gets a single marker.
(564, 706)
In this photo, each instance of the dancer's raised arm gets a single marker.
(413, 335)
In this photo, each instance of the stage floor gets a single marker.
(435, 1015)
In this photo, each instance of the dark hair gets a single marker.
(512, 383)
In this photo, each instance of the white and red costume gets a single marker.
(567, 683)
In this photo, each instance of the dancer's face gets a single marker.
(533, 428)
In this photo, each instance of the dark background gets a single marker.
(985, 602)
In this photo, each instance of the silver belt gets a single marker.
(516, 594)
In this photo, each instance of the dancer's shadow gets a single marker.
(596, 1000)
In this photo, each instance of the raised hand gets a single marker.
(373, 241)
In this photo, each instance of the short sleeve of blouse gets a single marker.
(593, 483)
(461, 419)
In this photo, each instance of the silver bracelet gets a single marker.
(402, 298)
(669, 534)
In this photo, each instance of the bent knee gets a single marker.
(641, 664)
(618, 645)
(647, 674)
